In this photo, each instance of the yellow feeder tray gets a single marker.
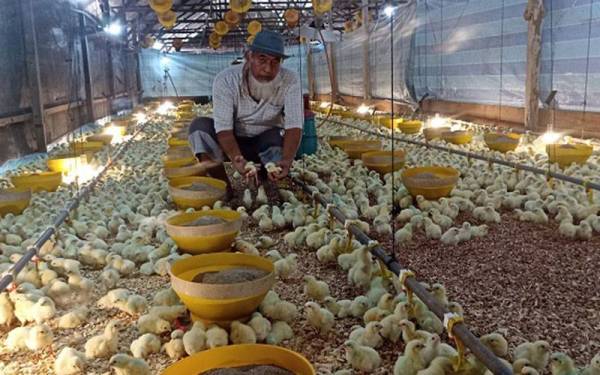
(178, 163)
(430, 182)
(44, 181)
(14, 200)
(338, 140)
(191, 170)
(178, 152)
(434, 133)
(187, 116)
(458, 137)
(355, 149)
(410, 127)
(386, 121)
(104, 138)
(384, 162)
(81, 147)
(195, 199)
(174, 142)
(566, 154)
(185, 107)
(242, 355)
(502, 142)
(65, 163)
(207, 238)
(179, 134)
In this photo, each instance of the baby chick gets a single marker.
(412, 360)
(362, 358)
(175, 348)
(166, 297)
(260, 325)
(439, 366)
(126, 365)
(194, 340)
(435, 348)
(369, 336)
(286, 266)
(145, 345)
(280, 332)
(216, 337)
(359, 306)
(404, 234)
(594, 366)
(496, 343)
(241, 333)
(562, 364)
(74, 318)
(439, 293)
(451, 237)
(432, 231)
(105, 344)
(69, 362)
(315, 289)
(537, 353)
(321, 319)
(7, 314)
(152, 324)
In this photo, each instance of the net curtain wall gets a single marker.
(193, 74)
(474, 51)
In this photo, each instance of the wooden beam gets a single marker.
(32, 62)
(87, 76)
(534, 14)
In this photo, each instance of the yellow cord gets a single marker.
(405, 274)
(450, 320)
(589, 191)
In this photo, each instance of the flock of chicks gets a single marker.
(118, 233)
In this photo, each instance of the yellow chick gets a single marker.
(594, 366)
(152, 324)
(439, 293)
(245, 247)
(194, 340)
(386, 302)
(412, 360)
(362, 358)
(537, 353)
(241, 333)
(168, 313)
(496, 343)
(374, 314)
(7, 310)
(261, 196)
(280, 310)
(74, 318)
(216, 337)
(439, 366)
(432, 231)
(370, 335)
(126, 365)
(105, 344)
(286, 266)
(166, 297)
(359, 306)
(280, 332)
(69, 362)
(451, 237)
(260, 325)
(562, 364)
(321, 319)
(435, 348)
(145, 345)
(315, 289)
(175, 348)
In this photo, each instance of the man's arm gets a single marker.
(232, 149)
(291, 141)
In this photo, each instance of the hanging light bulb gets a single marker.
(550, 137)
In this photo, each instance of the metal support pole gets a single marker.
(87, 76)
(110, 72)
(33, 74)
(311, 73)
(534, 15)
(366, 59)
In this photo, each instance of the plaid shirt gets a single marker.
(235, 109)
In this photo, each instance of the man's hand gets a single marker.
(246, 169)
(281, 171)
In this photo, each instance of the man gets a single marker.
(257, 114)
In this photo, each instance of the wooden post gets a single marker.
(87, 76)
(534, 14)
(32, 62)
(332, 64)
(366, 59)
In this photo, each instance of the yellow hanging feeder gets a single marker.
(160, 6)
(291, 16)
(250, 39)
(214, 45)
(240, 6)
(221, 28)
(167, 19)
(214, 38)
(322, 6)
(232, 18)
(254, 27)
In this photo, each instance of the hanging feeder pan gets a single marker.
(185, 198)
(81, 147)
(221, 28)
(192, 170)
(435, 133)
(179, 134)
(250, 39)
(65, 162)
(502, 142)
(187, 102)
(185, 116)
(104, 138)
(179, 162)
(291, 16)
(254, 27)
(338, 140)
(178, 153)
(458, 137)
(242, 355)
(207, 238)
(410, 127)
(386, 121)
(185, 107)
(384, 162)
(44, 181)
(14, 200)
(322, 6)
(214, 38)
(355, 149)
(175, 142)
(232, 18)
(240, 6)
(431, 182)
(568, 153)
(160, 6)
(167, 19)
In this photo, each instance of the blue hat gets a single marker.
(268, 42)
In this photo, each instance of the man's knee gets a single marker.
(203, 124)
(270, 138)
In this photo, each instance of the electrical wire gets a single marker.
(587, 66)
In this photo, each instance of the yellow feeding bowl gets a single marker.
(81, 147)
(410, 127)
(188, 170)
(178, 163)
(566, 154)
(174, 142)
(384, 161)
(242, 355)
(188, 116)
(65, 163)
(458, 137)
(14, 200)
(104, 138)
(355, 149)
(44, 181)
(502, 142)
(181, 190)
(220, 303)
(338, 140)
(434, 133)
(178, 152)
(430, 182)
(386, 121)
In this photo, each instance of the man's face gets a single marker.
(264, 67)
